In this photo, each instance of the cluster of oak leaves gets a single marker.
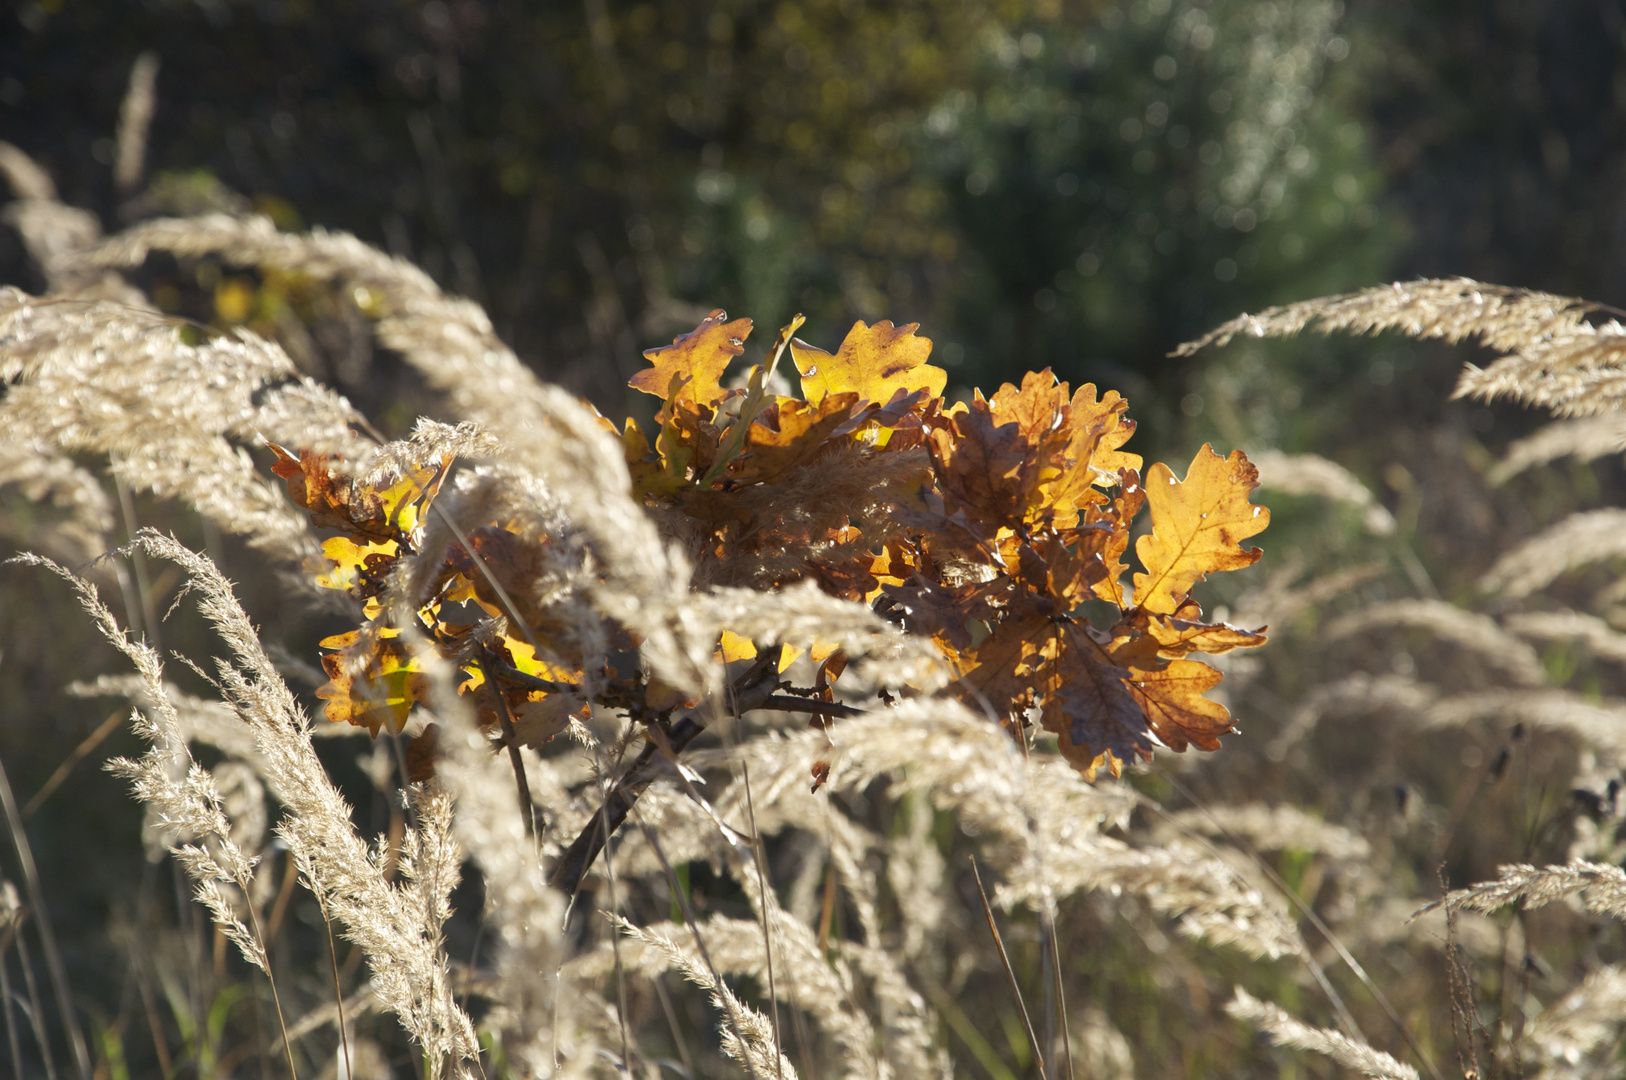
(986, 525)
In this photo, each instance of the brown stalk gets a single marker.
(80, 752)
(664, 741)
(510, 738)
(1010, 973)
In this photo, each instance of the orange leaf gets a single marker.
(788, 433)
(874, 362)
(1197, 527)
(702, 355)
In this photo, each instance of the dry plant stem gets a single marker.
(80, 752)
(1327, 934)
(527, 809)
(53, 958)
(1010, 973)
(5, 1006)
(1061, 992)
(661, 741)
(338, 990)
(694, 930)
(767, 938)
(36, 1008)
(615, 939)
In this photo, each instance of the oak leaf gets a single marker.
(875, 362)
(703, 354)
(1197, 527)
(373, 679)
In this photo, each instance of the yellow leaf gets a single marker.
(701, 355)
(875, 362)
(1197, 527)
(734, 647)
(356, 568)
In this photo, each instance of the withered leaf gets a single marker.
(373, 679)
(874, 362)
(702, 355)
(1197, 527)
(1090, 707)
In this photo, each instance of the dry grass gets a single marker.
(828, 932)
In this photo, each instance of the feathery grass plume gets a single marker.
(753, 1046)
(182, 794)
(1311, 474)
(41, 475)
(1394, 920)
(1600, 725)
(1283, 1030)
(536, 1013)
(1583, 539)
(108, 378)
(1037, 807)
(1601, 640)
(1102, 1048)
(806, 979)
(1279, 599)
(1359, 693)
(1269, 828)
(397, 927)
(1601, 888)
(1478, 634)
(1584, 439)
(551, 438)
(1583, 1021)
(801, 614)
(1552, 356)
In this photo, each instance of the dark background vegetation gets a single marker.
(1048, 183)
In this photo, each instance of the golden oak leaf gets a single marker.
(875, 362)
(1197, 527)
(1176, 637)
(359, 569)
(1000, 672)
(702, 355)
(1094, 564)
(1107, 459)
(330, 499)
(373, 679)
(752, 405)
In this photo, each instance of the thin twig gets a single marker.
(1010, 973)
(663, 740)
(510, 737)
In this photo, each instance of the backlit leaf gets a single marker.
(874, 362)
(701, 355)
(1197, 527)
